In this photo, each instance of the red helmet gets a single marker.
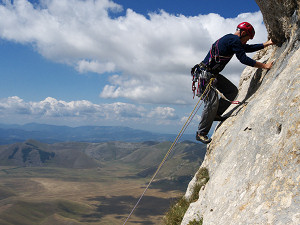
(248, 28)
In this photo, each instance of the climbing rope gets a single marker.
(188, 121)
(226, 99)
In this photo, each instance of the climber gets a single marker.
(219, 55)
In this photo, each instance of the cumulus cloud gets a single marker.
(163, 113)
(151, 56)
(58, 109)
(50, 107)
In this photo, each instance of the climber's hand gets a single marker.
(269, 42)
(268, 65)
(264, 65)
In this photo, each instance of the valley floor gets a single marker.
(47, 196)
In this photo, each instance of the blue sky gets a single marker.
(101, 62)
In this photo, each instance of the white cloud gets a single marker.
(152, 56)
(51, 108)
(94, 66)
(163, 113)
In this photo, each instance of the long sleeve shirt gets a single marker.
(224, 48)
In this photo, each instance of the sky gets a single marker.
(111, 62)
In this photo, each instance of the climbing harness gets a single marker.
(217, 62)
(215, 53)
(201, 76)
(188, 121)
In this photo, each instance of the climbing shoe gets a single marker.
(220, 118)
(203, 138)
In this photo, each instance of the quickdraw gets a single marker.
(194, 88)
(202, 78)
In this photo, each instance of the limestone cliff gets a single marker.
(254, 158)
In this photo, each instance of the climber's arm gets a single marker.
(263, 65)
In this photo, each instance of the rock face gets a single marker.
(254, 158)
(279, 17)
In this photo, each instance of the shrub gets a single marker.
(176, 212)
(196, 222)
(195, 194)
(202, 174)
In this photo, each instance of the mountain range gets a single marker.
(52, 134)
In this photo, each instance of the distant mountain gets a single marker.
(35, 154)
(52, 134)
(144, 156)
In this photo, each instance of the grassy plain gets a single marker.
(61, 196)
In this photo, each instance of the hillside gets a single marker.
(253, 160)
(35, 154)
(144, 156)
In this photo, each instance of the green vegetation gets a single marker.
(176, 213)
(196, 222)
(195, 194)
(202, 175)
